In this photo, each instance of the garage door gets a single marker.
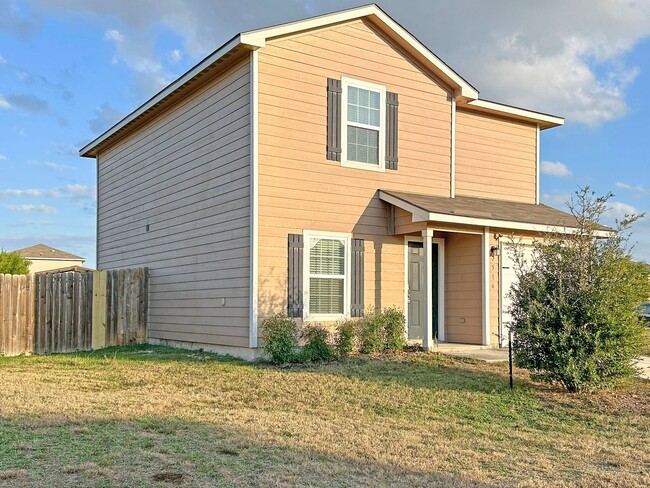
(508, 278)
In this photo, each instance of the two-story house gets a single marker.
(318, 168)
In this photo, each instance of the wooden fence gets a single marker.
(72, 311)
(16, 314)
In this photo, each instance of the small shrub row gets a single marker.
(380, 330)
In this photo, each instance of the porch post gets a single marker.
(427, 338)
(485, 274)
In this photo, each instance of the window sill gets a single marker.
(325, 317)
(368, 167)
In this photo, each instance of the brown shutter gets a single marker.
(294, 281)
(357, 255)
(392, 105)
(334, 119)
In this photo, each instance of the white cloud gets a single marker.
(113, 35)
(175, 56)
(4, 104)
(631, 188)
(555, 169)
(71, 192)
(40, 208)
(52, 165)
(556, 198)
(568, 58)
(617, 211)
(3, 158)
(2, 59)
(105, 117)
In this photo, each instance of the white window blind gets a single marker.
(326, 276)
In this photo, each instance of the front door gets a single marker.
(416, 286)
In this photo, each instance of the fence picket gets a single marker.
(53, 312)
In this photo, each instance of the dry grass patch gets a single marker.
(152, 416)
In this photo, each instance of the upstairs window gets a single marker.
(363, 134)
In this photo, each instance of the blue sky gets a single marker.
(69, 69)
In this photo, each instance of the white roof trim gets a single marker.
(544, 120)
(260, 36)
(420, 215)
(160, 96)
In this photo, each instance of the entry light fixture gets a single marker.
(494, 251)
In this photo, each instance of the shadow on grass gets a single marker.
(146, 452)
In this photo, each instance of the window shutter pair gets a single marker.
(296, 248)
(335, 124)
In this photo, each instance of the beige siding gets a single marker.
(39, 265)
(186, 175)
(495, 158)
(463, 282)
(300, 189)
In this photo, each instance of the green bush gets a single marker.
(280, 336)
(371, 333)
(317, 344)
(394, 329)
(345, 337)
(382, 330)
(573, 307)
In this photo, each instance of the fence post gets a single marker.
(99, 310)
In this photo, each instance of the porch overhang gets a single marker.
(484, 212)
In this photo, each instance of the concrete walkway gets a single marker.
(644, 366)
(487, 355)
(499, 355)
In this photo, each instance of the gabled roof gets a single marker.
(484, 212)
(41, 251)
(255, 39)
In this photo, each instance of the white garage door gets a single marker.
(508, 278)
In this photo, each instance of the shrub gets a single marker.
(394, 320)
(345, 337)
(573, 308)
(317, 346)
(280, 335)
(382, 330)
(371, 333)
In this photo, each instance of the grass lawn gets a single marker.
(153, 416)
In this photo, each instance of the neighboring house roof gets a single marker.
(465, 93)
(483, 211)
(41, 251)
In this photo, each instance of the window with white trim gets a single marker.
(326, 264)
(363, 134)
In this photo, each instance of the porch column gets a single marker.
(485, 274)
(427, 338)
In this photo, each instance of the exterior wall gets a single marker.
(300, 189)
(463, 285)
(186, 175)
(495, 158)
(39, 265)
(495, 290)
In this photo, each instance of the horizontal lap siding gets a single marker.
(300, 189)
(187, 176)
(463, 282)
(495, 158)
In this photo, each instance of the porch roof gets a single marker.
(483, 212)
